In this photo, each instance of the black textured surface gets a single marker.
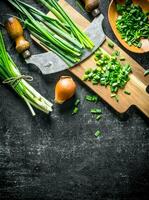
(58, 156)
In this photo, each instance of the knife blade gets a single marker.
(46, 61)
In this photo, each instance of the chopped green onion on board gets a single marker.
(146, 72)
(108, 72)
(111, 44)
(116, 53)
(117, 98)
(122, 59)
(127, 92)
(113, 95)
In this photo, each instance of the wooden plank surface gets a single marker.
(137, 84)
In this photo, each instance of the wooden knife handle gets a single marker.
(15, 30)
(91, 5)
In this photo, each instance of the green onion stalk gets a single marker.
(60, 28)
(10, 74)
(59, 12)
(55, 34)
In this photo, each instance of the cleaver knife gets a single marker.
(49, 62)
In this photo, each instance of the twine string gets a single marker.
(14, 81)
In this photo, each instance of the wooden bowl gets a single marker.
(113, 15)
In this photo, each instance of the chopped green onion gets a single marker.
(92, 98)
(113, 95)
(98, 133)
(77, 102)
(122, 59)
(110, 44)
(117, 98)
(98, 117)
(126, 92)
(116, 53)
(132, 23)
(75, 110)
(146, 72)
(108, 72)
(96, 111)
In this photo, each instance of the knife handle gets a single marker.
(15, 30)
(92, 6)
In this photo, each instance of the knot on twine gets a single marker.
(14, 81)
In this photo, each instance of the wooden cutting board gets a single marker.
(137, 84)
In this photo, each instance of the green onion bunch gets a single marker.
(10, 74)
(109, 72)
(58, 11)
(132, 23)
(59, 35)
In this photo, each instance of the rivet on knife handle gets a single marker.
(15, 30)
(92, 6)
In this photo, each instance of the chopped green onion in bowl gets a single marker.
(132, 23)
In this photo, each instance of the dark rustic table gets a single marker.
(57, 156)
